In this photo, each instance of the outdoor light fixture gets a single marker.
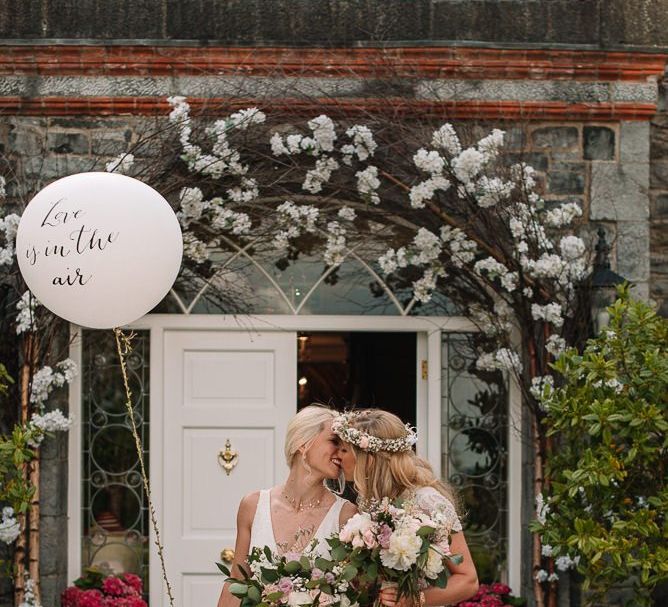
(604, 283)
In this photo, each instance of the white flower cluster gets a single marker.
(491, 191)
(194, 249)
(25, 317)
(295, 220)
(542, 509)
(564, 563)
(247, 191)
(223, 159)
(52, 421)
(613, 383)
(446, 139)
(230, 221)
(368, 183)
(563, 215)
(467, 165)
(347, 213)
(550, 313)
(425, 248)
(9, 526)
(46, 379)
(121, 164)
(504, 359)
(192, 206)
(8, 226)
(496, 269)
(424, 287)
(555, 345)
(425, 190)
(29, 597)
(544, 576)
(541, 388)
(363, 144)
(336, 244)
(320, 175)
(462, 249)
(322, 139)
(429, 162)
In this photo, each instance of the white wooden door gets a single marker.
(219, 386)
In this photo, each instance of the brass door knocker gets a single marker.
(228, 458)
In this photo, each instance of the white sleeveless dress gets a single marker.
(262, 530)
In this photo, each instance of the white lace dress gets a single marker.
(262, 529)
(429, 500)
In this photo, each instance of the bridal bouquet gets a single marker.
(396, 544)
(295, 579)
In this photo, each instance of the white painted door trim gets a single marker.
(428, 400)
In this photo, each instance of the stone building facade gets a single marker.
(579, 86)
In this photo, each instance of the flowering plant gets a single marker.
(95, 589)
(492, 595)
(397, 543)
(296, 579)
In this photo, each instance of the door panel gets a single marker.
(220, 388)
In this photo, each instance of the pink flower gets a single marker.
(384, 536)
(70, 597)
(114, 586)
(330, 577)
(90, 598)
(369, 539)
(499, 588)
(134, 581)
(285, 584)
(316, 573)
(364, 442)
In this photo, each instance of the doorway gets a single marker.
(347, 370)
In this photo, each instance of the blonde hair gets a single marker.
(385, 474)
(304, 428)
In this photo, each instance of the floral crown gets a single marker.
(367, 442)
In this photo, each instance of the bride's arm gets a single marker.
(463, 580)
(245, 516)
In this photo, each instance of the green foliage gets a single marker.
(608, 420)
(15, 451)
(5, 380)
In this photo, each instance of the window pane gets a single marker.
(115, 517)
(473, 439)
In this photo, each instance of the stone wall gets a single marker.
(598, 23)
(659, 203)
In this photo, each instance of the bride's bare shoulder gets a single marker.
(248, 505)
(348, 510)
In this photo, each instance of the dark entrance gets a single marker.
(356, 369)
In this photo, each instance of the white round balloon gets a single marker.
(99, 249)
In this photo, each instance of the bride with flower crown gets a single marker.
(289, 517)
(377, 455)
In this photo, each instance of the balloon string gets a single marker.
(124, 347)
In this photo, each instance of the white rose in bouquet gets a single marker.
(360, 531)
(403, 550)
(298, 598)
